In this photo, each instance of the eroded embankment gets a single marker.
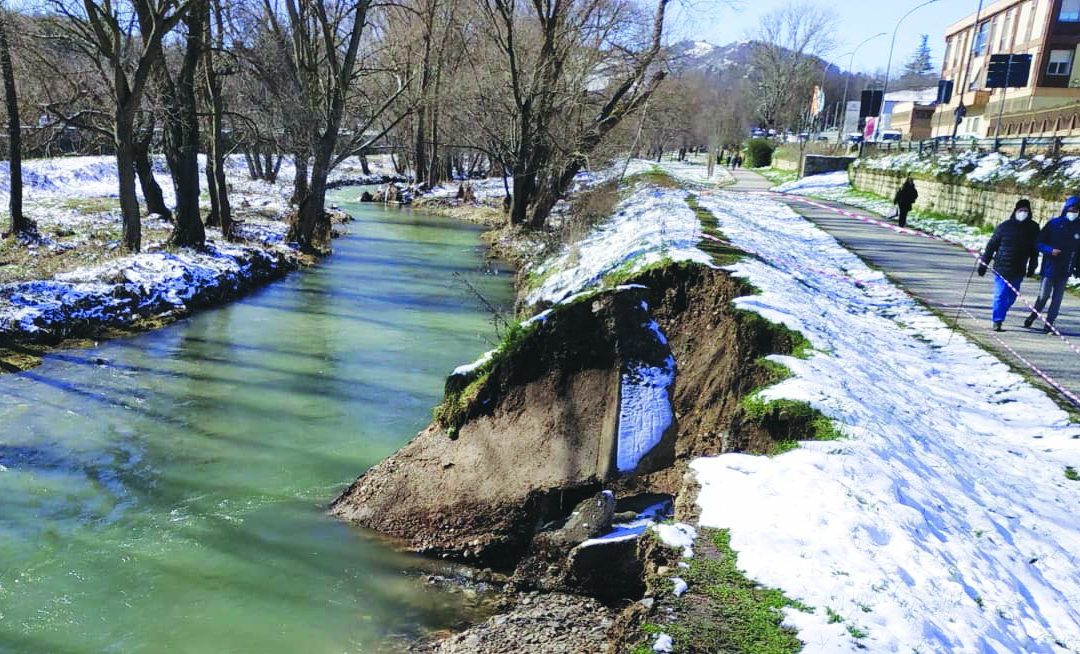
(551, 455)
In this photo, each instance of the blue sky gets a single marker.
(717, 22)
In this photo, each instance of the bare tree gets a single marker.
(786, 58)
(19, 223)
(123, 40)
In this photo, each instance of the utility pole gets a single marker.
(885, 88)
(847, 78)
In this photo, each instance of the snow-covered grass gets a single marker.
(837, 188)
(944, 523)
(985, 168)
(694, 170)
(76, 279)
(650, 225)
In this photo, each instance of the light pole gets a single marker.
(885, 88)
(847, 78)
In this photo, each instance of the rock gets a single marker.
(588, 520)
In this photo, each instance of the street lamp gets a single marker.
(885, 88)
(847, 78)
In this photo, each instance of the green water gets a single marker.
(166, 493)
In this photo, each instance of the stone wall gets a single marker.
(815, 164)
(972, 204)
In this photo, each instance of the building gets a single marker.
(1048, 30)
(909, 112)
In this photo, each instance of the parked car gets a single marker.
(854, 138)
(891, 135)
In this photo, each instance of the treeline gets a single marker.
(528, 88)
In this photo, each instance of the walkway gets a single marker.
(936, 272)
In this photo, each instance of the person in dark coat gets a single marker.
(1058, 242)
(904, 199)
(1013, 253)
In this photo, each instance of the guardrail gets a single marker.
(1019, 146)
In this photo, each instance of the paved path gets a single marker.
(936, 272)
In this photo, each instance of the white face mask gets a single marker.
(1073, 215)
(1022, 215)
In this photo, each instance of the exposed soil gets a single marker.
(538, 436)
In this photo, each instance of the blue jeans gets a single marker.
(1004, 297)
(1053, 290)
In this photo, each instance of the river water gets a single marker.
(166, 493)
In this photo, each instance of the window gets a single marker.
(1070, 11)
(981, 38)
(1003, 36)
(1031, 20)
(1060, 63)
(948, 51)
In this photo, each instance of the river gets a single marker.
(166, 493)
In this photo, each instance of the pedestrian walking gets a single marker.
(904, 199)
(1012, 253)
(1058, 242)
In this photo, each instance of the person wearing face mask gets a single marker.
(1058, 242)
(1012, 251)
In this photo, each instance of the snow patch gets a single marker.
(678, 536)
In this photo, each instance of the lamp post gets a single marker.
(885, 88)
(847, 78)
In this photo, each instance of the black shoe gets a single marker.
(1046, 328)
(997, 326)
(1030, 319)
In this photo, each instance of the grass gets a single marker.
(724, 610)
(1071, 474)
(801, 421)
(91, 206)
(655, 176)
(458, 403)
(777, 176)
(722, 253)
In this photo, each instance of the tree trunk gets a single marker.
(215, 160)
(300, 179)
(19, 223)
(311, 227)
(125, 169)
(182, 132)
(420, 147)
(524, 186)
(214, 218)
(364, 167)
(151, 190)
(252, 162)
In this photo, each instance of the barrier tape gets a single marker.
(1069, 395)
(976, 254)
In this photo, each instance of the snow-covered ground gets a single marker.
(695, 171)
(944, 522)
(650, 225)
(1038, 171)
(72, 200)
(837, 188)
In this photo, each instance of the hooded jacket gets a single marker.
(1012, 247)
(1061, 234)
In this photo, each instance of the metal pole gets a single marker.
(967, 66)
(847, 78)
(888, 66)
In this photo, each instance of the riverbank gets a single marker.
(626, 434)
(71, 283)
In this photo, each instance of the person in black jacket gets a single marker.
(1013, 252)
(904, 199)
(1059, 242)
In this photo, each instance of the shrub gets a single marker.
(759, 152)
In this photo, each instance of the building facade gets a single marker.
(1049, 105)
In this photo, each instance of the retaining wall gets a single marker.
(972, 204)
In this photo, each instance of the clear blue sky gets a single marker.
(717, 22)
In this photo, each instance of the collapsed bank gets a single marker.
(665, 353)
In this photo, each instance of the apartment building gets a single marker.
(1048, 30)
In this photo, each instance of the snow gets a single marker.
(680, 586)
(61, 195)
(816, 183)
(678, 536)
(944, 523)
(475, 365)
(124, 290)
(624, 531)
(663, 643)
(651, 224)
(695, 171)
(645, 412)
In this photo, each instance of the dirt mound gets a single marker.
(535, 433)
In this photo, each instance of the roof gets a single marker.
(921, 96)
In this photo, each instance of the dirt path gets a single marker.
(936, 272)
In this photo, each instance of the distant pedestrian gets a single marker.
(904, 199)
(1012, 253)
(1058, 242)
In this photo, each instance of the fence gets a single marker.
(1019, 146)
